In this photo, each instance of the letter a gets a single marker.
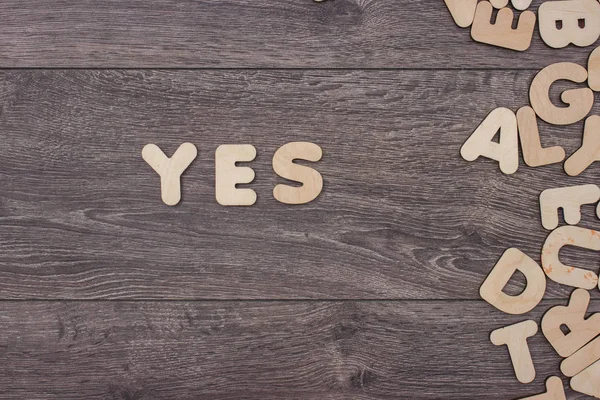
(480, 143)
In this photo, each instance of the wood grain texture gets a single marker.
(401, 215)
(252, 33)
(256, 350)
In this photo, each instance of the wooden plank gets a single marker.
(257, 350)
(252, 33)
(401, 216)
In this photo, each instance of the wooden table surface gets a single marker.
(369, 292)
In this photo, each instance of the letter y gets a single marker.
(170, 169)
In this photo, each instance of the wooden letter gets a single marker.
(515, 338)
(594, 70)
(499, 3)
(582, 358)
(588, 381)
(589, 150)
(566, 275)
(512, 260)
(570, 200)
(227, 174)
(580, 101)
(170, 169)
(554, 390)
(284, 166)
(463, 11)
(501, 33)
(581, 330)
(533, 153)
(480, 143)
(521, 4)
(572, 21)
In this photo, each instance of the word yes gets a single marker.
(228, 175)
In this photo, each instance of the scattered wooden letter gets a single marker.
(582, 358)
(554, 390)
(570, 200)
(521, 4)
(566, 275)
(581, 330)
(463, 11)
(511, 261)
(572, 21)
(283, 165)
(589, 151)
(533, 153)
(594, 70)
(227, 174)
(501, 33)
(580, 101)
(170, 169)
(499, 3)
(480, 143)
(515, 338)
(588, 381)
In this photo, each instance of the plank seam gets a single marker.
(159, 68)
(258, 300)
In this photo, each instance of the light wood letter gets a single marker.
(567, 275)
(463, 11)
(501, 33)
(283, 165)
(588, 381)
(580, 101)
(589, 152)
(227, 174)
(581, 330)
(170, 169)
(561, 22)
(515, 338)
(570, 199)
(594, 70)
(582, 358)
(511, 261)
(533, 152)
(554, 390)
(521, 4)
(480, 143)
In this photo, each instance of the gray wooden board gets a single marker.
(251, 33)
(263, 350)
(402, 215)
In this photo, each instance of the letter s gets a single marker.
(283, 165)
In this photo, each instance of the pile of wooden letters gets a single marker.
(579, 343)
(561, 22)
